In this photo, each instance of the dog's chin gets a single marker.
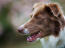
(34, 36)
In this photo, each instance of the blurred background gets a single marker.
(14, 13)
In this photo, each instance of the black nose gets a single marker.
(21, 30)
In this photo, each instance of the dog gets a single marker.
(47, 20)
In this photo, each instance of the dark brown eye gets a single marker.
(32, 9)
(31, 16)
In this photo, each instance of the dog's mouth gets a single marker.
(34, 36)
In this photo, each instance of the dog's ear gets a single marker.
(55, 9)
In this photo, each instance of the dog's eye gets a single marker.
(32, 9)
(31, 16)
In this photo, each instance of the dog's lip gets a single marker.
(34, 36)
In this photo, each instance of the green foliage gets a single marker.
(7, 26)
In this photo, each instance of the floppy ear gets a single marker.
(57, 12)
(55, 9)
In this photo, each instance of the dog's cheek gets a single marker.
(56, 29)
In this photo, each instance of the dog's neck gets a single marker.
(52, 41)
(64, 20)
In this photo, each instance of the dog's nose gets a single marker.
(23, 30)
(20, 30)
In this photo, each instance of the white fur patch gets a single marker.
(26, 31)
(54, 42)
(64, 17)
(21, 27)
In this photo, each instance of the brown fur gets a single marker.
(46, 18)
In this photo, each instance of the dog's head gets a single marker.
(46, 19)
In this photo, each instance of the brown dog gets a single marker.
(46, 20)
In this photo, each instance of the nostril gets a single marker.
(20, 29)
